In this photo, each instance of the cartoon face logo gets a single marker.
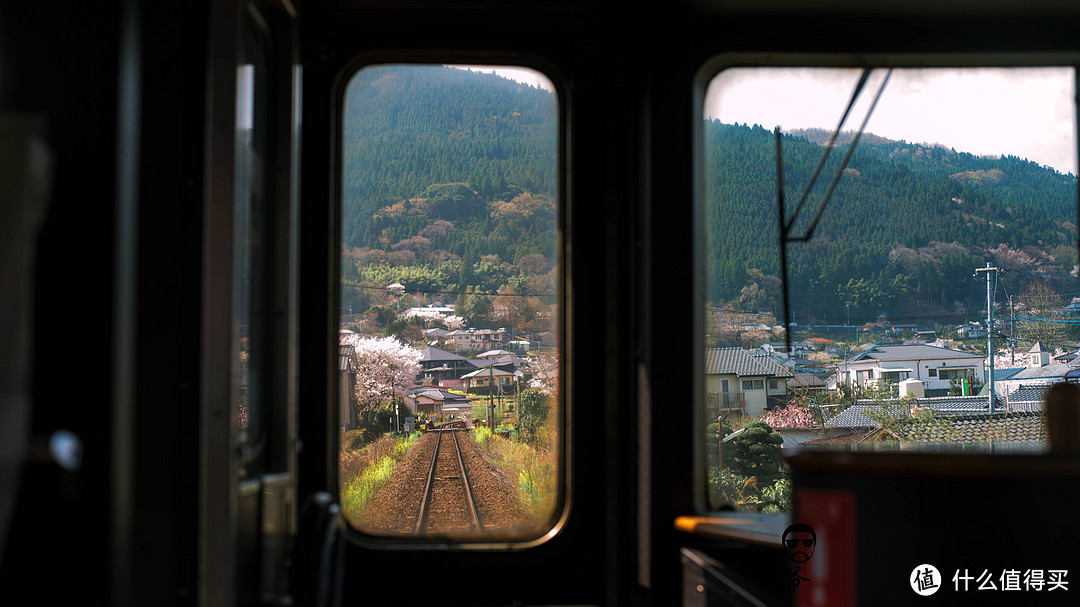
(799, 540)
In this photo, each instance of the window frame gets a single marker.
(711, 67)
(563, 319)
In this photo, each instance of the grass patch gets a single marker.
(361, 472)
(536, 470)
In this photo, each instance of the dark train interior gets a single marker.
(123, 482)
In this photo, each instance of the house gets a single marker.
(477, 340)
(935, 366)
(780, 348)
(436, 337)
(436, 401)
(489, 339)
(971, 330)
(547, 340)
(518, 345)
(459, 340)
(798, 373)
(439, 364)
(488, 380)
(736, 379)
(1040, 371)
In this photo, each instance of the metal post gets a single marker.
(1012, 332)
(491, 397)
(989, 329)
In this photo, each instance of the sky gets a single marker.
(1024, 112)
(517, 74)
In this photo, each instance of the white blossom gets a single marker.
(384, 366)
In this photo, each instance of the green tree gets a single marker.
(533, 411)
(757, 452)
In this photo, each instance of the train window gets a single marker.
(251, 204)
(450, 408)
(926, 216)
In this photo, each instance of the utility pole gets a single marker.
(989, 327)
(1012, 332)
(491, 397)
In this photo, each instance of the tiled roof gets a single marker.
(492, 371)
(774, 367)
(912, 352)
(1052, 371)
(808, 380)
(846, 439)
(739, 361)
(1009, 427)
(435, 393)
(1000, 374)
(1029, 393)
(854, 416)
(952, 405)
(430, 354)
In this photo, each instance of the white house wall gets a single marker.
(920, 370)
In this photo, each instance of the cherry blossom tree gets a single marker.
(545, 374)
(384, 366)
(453, 322)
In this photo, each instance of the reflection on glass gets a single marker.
(246, 160)
(448, 355)
(250, 183)
(951, 232)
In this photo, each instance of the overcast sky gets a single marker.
(1021, 112)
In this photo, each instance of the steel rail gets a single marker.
(468, 490)
(421, 519)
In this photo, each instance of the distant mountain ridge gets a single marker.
(821, 136)
(905, 228)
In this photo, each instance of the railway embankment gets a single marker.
(396, 508)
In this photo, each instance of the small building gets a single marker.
(518, 346)
(433, 361)
(436, 401)
(971, 330)
(936, 367)
(489, 380)
(1040, 371)
(737, 380)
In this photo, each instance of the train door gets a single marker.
(249, 443)
(344, 42)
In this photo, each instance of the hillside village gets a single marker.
(890, 392)
(454, 369)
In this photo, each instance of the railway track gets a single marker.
(447, 504)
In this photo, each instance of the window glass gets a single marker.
(449, 333)
(252, 127)
(941, 225)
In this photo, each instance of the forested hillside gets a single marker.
(450, 188)
(409, 128)
(904, 230)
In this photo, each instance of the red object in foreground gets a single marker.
(831, 569)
